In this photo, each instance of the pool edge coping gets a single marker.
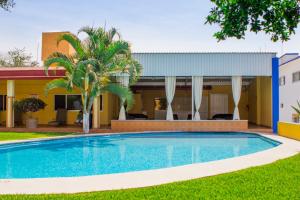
(146, 178)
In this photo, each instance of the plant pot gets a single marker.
(31, 123)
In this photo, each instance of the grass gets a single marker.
(279, 180)
(8, 136)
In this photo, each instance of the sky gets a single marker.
(149, 25)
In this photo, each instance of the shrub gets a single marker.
(29, 105)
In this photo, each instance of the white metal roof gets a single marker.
(205, 64)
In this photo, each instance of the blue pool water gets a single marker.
(94, 155)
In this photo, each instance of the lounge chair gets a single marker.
(61, 118)
(175, 117)
(136, 116)
(223, 117)
(18, 118)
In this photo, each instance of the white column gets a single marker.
(170, 87)
(96, 112)
(193, 109)
(236, 92)
(123, 79)
(197, 95)
(10, 104)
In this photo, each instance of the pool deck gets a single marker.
(146, 178)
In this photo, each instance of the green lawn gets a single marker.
(280, 180)
(6, 136)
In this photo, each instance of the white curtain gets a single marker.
(236, 92)
(198, 88)
(170, 86)
(123, 79)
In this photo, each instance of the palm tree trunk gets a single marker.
(86, 122)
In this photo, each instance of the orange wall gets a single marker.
(49, 44)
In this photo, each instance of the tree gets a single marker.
(279, 18)
(17, 58)
(7, 4)
(297, 109)
(94, 66)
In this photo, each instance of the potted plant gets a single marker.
(297, 109)
(30, 105)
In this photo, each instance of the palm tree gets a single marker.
(93, 67)
(297, 109)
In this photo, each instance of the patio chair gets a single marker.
(175, 117)
(18, 118)
(223, 117)
(61, 118)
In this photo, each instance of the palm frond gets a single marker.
(297, 110)
(134, 70)
(122, 92)
(116, 48)
(60, 60)
(74, 41)
(90, 31)
(79, 76)
(112, 33)
(57, 83)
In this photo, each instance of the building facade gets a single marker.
(289, 81)
(173, 86)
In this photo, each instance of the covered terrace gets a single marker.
(177, 91)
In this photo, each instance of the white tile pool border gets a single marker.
(146, 178)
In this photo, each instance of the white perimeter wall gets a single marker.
(290, 92)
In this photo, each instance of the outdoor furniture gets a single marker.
(175, 116)
(61, 118)
(79, 119)
(18, 118)
(136, 116)
(223, 117)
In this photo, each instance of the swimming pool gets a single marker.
(108, 154)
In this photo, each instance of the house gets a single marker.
(289, 86)
(177, 91)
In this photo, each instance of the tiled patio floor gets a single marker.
(103, 129)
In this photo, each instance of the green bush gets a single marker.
(29, 105)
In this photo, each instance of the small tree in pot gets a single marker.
(297, 109)
(30, 105)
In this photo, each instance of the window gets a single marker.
(69, 102)
(60, 102)
(282, 81)
(2, 102)
(296, 76)
(281, 105)
(74, 102)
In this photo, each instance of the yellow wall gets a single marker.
(260, 101)
(28, 88)
(257, 97)
(265, 101)
(252, 99)
(290, 130)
